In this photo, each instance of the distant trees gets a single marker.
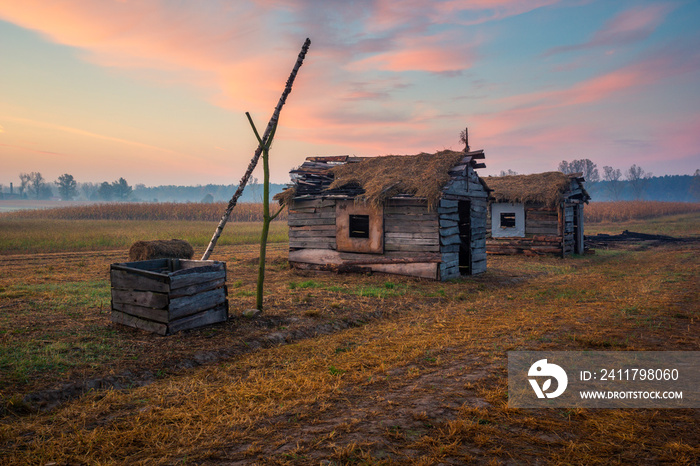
(105, 191)
(89, 190)
(613, 185)
(23, 184)
(118, 190)
(67, 187)
(34, 185)
(639, 180)
(694, 189)
(121, 189)
(585, 166)
(508, 172)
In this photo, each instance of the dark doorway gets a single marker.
(465, 236)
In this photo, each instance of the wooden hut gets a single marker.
(536, 214)
(418, 215)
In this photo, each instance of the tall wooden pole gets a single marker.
(256, 156)
(267, 218)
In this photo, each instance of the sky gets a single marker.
(156, 91)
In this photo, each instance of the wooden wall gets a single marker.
(568, 229)
(542, 233)
(464, 186)
(312, 224)
(548, 230)
(411, 239)
(418, 241)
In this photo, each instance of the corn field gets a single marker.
(244, 212)
(621, 211)
(595, 212)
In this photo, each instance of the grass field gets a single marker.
(24, 236)
(623, 211)
(351, 369)
(190, 211)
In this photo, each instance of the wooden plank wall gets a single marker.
(568, 240)
(411, 239)
(417, 241)
(541, 233)
(479, 210)
(410, 229)
(449, 238)
(312, 224)
(464, 186)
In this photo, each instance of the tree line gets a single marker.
(613, 182)
(34, 186)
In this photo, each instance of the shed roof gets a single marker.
(375, 179)
(547, 188)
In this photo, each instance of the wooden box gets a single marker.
(168, 295)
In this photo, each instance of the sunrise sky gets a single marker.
(156, 91)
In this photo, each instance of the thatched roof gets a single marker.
(376, 179)
(423, 175)
(547, 188)
(286, 196)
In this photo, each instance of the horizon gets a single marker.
(157, 93)
(5, 187)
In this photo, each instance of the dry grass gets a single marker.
(23, 236)
(545, 188)
(621, 211)
(160, 249)
(422, 175)
(191, 211)
(423, 382)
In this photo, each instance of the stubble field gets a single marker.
(346, 369)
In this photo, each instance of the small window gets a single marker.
(507, 219)
(359, 226)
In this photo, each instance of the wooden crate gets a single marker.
(165, 296)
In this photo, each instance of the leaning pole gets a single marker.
(256, 156)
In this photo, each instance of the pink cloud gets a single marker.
(188, 42)
(34, 151)
(618, 83)
(628, 26)
(678, 140)
(568, 123)
(430, 59)
(440, 53)
(419, 13)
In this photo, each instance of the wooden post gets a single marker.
(256, 156)
(267, 218)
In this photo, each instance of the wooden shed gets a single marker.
(536, 214)
(418, 215)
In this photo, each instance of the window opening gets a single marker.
(359, 226)
(507, 219)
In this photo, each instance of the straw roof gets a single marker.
(286, 196)
(547, 188)
(423, 175)
(373, 180)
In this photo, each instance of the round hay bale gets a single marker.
(160, 249)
